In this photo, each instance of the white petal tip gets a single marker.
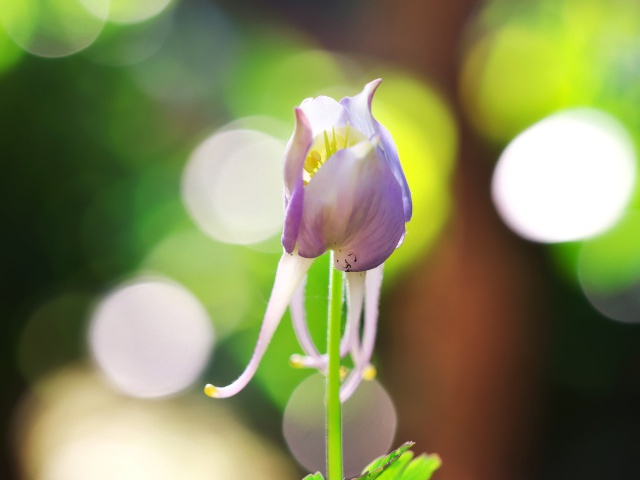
(373, 84)
(211, 391)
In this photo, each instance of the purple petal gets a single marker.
(353, 205)
(393, 159)
(291, 271)
(293, 218)
(359, 108)
(324, 113)
(296, 153)
(294, 158)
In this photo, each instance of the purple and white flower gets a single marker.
(345, 191)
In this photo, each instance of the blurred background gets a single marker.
(141, 142)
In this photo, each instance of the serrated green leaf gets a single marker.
(421, 468)
(375, 468)
(396, 470)
(314, 476)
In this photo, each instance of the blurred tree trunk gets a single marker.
(463, 331)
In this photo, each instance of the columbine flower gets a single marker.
(345, 191)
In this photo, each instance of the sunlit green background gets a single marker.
(104, 105)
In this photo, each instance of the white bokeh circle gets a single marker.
(232, 186)
(566, 178)
(131, 11)
(369, 423)
(53, 28)
(151, 337)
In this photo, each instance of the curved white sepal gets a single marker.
(362, 358)
(355, 297)
(291, 271)
(301, 329)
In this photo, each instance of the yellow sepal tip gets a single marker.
(369, 373)
(211, 391)
(296, 361)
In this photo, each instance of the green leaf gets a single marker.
(421, 468)
(397, 465)
(396, 470)
(378, 466)
(314, 476)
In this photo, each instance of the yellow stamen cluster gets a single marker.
(322, 149)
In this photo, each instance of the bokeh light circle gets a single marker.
(568, 177)
(369, 423)
(151, 337)
(74, 427)
(216, 273)
(194, 61)
(53, 28)
(232, 186)
(131, 11)
(622, 306)
(609, 270)
(123, 45)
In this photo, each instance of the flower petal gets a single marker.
(296, 152)
(291, 271)
(393, 159)
(292, 219)
(359, 108)
(294, 158)
(353, 205)
(324, 113)
(362, 358)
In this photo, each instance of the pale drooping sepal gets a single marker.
(313, 359)
(291, 271)
(362, 356)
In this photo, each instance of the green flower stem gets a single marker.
(334, 413)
